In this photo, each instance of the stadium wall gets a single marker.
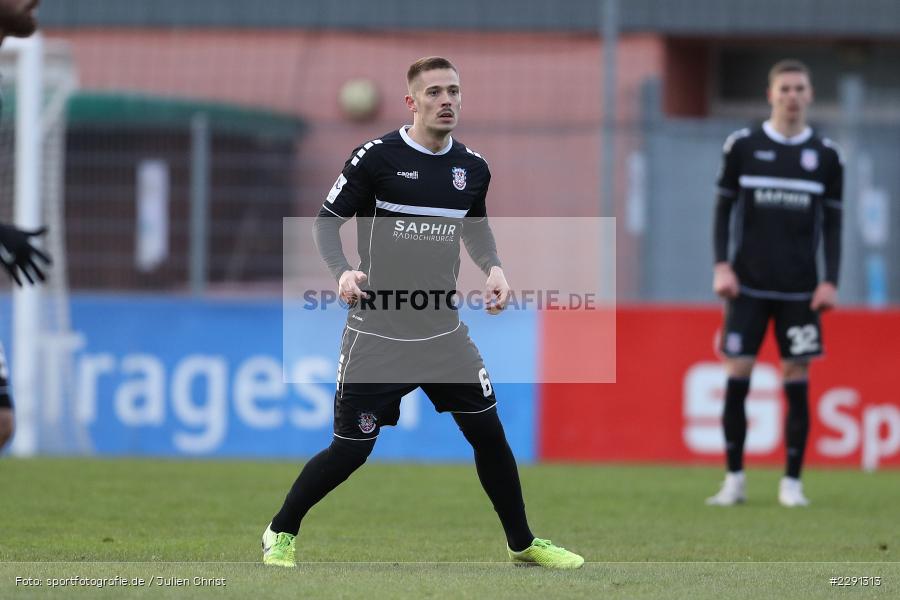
(533, 104)
(520, 101)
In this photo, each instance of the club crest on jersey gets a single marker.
(459, 178)
(367, 422)
(809, 159)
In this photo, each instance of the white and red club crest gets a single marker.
(809, 159)
(367, 422)
(459, 178)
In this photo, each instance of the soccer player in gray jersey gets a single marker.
(17, 255)
(780, 195)
(416, 193)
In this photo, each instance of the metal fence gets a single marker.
(185, 148)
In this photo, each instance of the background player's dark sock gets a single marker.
(796, 426)
(498, 473)
(734, 421)
(324, 472)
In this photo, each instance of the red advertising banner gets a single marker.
(666, 404)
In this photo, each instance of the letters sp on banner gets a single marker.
(875, 435)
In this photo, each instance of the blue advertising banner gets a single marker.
(170, 376)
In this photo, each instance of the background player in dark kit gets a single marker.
(415, 192)
(17, 255)
(782, 183)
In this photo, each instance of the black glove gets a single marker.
(17, 253)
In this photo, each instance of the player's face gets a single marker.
(17, 17)
(435, 98)
(790, 94)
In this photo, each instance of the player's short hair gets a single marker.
(428, 63)
(788, 65)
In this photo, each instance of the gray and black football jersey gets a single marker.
(411, 206)
(781, 189)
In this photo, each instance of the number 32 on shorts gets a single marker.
(804, 339)
(486, 386)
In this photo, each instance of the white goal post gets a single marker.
(43, 344)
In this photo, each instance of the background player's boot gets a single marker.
(544, 553)
(790, 492)
(278, 548)
(731, 493)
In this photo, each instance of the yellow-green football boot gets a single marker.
(544, 553)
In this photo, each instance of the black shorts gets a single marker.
(797, 327)
(449, 370)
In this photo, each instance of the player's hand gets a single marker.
(725, 282)
(496, 291)
(825, 297)
(348, 286)
(18, 256)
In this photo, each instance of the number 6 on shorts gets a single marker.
(486, 386)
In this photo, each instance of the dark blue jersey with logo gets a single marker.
(784, 194)
(413, 206)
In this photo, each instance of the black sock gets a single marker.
(324, 472)
(796, 426)
(498, 473)
(734, 422)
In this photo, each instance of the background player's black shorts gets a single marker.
(449, 370)
(797, 327)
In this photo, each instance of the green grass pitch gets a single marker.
(428, 531)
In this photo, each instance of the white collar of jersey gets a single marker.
(417, 146)
(781, 139)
